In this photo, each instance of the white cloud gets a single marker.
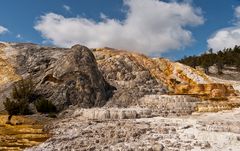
(151, 26)
(67, 8)
(3, 30)
(226, 37)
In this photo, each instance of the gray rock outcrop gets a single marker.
(75, 80)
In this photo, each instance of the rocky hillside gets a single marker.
(127, 69)
(64, 76)
(120, 100)
(101, 77)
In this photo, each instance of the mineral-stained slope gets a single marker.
(125, 64)
(139, 75)
(123, 67)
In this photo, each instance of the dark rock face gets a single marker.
(63, 76)
(76, 80)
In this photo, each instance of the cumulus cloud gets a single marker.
(3, 30)
(151, 26)
(226, 37)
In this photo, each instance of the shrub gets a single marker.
(12, 107)
(45, 106)
(23, 90)
(24, 108)
(22, 94)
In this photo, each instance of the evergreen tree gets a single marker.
(227, 56)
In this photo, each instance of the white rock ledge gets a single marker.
(112, 113)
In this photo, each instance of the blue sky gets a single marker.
(127, 24)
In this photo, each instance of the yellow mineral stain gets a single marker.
(17, 137)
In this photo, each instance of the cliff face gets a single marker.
(74, 77)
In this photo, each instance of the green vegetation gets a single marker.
(229, 57)
(22, 95)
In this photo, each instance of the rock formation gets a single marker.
(135, 76)
(127, 69)
(132, 80)
(116, 78)
(75, 80)
(64, 76)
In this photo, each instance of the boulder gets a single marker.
(75, 80)
(213, 69)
